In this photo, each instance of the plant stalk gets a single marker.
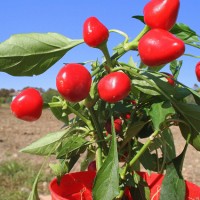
(135, 158)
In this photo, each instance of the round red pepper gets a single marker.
(161, 13)
(94, 32)
(27, 105)
(114, 87)
(197, 71)
(73, 82)
(159, 47)
(117, 126)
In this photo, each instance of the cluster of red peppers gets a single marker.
(157, 47)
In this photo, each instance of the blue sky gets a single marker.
(67, 18)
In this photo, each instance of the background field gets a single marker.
(16, 134)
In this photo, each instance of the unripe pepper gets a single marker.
(94, 32)
(197, 70)
(158, 47)
(161, 13)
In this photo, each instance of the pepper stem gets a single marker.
(108, 66)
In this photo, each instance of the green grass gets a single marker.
(17, 178)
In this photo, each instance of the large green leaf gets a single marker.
(71, 144)
(46, 144)
(159, 112)
(191, 113)
(106, 185)
(34, 53)
(132, 131)
(188, 35)
(175, 67)
(173, 186)
(144, 87)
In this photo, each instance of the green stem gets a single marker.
(108, 66)
(121, 51)
(140, 152)
(98, 158)
(55, 104)
(135, 159)
(100, 139)
(144, 148)
(121, 33)
(78, 114)
(134, 43)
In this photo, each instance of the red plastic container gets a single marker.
(154, 182)
(73, 186)
(78, 186)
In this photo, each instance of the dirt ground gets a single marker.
(16, 134)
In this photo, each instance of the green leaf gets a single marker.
(190, 113)
(59, 169)
(160, 81)
(106, 185)
(34, 192)
(46, 144)
(122, 107)
(168, 147)
(139, 17)
(71, 144)
(90, 156)
(185, 33)
(196, 95)
(159, 112)
(173, 186)
(73, 160)
(144, 87)
(149, 161)
(34, 53)
(132, 131)
(175, 67)
(195, 136)
(141, 191)
(58, 111)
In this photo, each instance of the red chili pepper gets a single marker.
(114, 87)
(73, 82)
(161, 13)
(197, 70)
(170, 78)
(117, 126)
(158, 47)
(27, 105)
(94, 32)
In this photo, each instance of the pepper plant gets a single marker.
(108, 110)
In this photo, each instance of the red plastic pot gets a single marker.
(78, 186)
(73, 186)
(154, 182)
